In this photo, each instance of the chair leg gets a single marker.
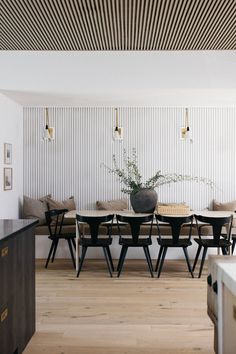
(71, 251)
(122, 256)
(107, 260)
(202, 261)
(55, 249)
(145, 248)
(83, 253)
(187, 260)
(73, 243)
(159, 258)
(197, 256)
(121, 253)
(149, 257)
(233, 246)
(50, 252)
(110, 258)
(224, 251)
(162, 261)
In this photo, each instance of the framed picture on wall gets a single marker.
(7, 179)
(8, 154)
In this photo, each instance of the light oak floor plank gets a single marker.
(96, 314)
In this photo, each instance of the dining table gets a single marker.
(95, 213)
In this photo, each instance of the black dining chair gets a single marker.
(54, 220)
(136, 240)
(176, 240)
(94, 238)
(216, 240)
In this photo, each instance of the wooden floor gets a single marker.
(96, 314)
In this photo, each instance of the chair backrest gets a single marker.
(217, 224)
(135, 223)
(94, 222)
(176, 223)
(54, 220)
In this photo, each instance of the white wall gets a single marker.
(154, 78)
(11, 131)
(71, 165)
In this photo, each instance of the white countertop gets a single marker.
(227, 275)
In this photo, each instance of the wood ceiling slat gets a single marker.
(132, 47)
(46, 19)
(154, 46)
(200, 37)
(90, 24)
(164, 25)
(55, 18)
(122, 21)
(148, 24)
(67, 30)
(66, 5)
(74, 24)
(97, 21)
(6, 40)
(167, 24)
(209, 26)
(80, 17)
(36, 24)
(175, 26)
(201, 8)
(170, 24)
(116, 20)
(136, 23)
(153, 24)
(117, 25)
(223, 24)
(140, 26)
(145, 28)
(182, 24)
(192, 14)
(79, 24)
(110, 26)
(15, 28)
(128, 26)
(101, 23)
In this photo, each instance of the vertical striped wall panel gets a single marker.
(71, 165)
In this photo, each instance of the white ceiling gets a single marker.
(113, 78)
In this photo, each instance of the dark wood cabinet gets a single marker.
(17, 285)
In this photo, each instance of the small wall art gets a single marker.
(7, 179)
(7, 154)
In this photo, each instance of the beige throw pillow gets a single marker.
(116, 204)
(35, 209)
(229, 206)
(65, 204)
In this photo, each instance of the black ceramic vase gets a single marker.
(144, 201)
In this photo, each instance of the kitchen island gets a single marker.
(17, 284)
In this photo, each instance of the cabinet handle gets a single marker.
(209, 280)
(4, 252)
(4, 314)
(215, 287)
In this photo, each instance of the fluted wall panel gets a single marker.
(71, 165)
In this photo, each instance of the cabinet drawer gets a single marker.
(8, 262)
(8, 331)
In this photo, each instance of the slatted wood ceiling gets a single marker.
(118, 24)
